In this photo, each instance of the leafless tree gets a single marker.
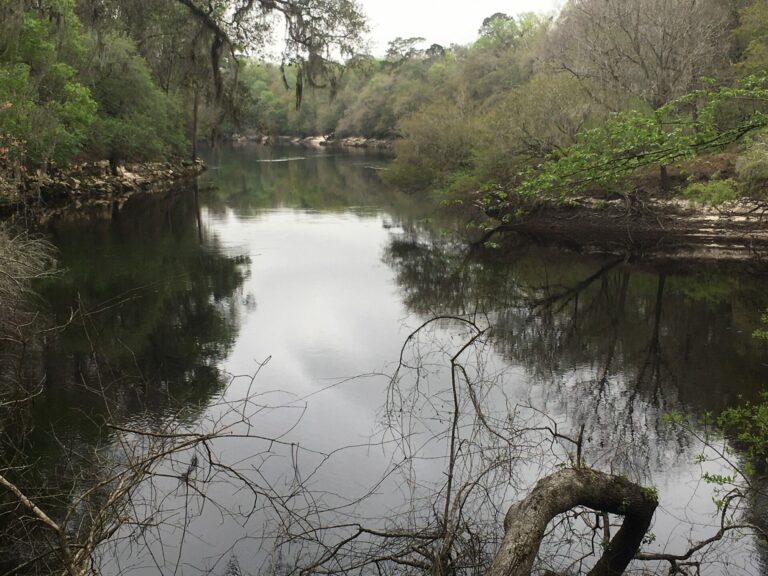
(23, 259)
(652, 50)
(139, 492)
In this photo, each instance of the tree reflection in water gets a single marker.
(602, 344)
(137, 332)
(589, 341)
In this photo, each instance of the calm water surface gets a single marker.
(305, 267)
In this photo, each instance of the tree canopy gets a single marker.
(108, 79)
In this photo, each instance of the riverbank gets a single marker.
(647, 228)
(328, 141)
(90, 184)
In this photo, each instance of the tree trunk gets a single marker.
(527, 520)
(114, 165)
(195, 107)
(663, 178)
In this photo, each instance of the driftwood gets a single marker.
(526, 521)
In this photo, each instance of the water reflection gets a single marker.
(599, 329)
(145, 310)
(666, 334)
(316, 263)
(605, 345)
(151, 301)
(253, 178)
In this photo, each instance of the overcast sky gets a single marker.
(442, 22)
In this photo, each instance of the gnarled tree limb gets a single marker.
(526, 521)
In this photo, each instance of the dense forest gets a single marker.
(127, 81)
(535, 105)
(539, 105)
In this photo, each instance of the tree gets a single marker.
(194, 48)
(606, 156)
(401, 49)
(136, 120)
(538, 118)
(526, 522)
(497, 25)
(459, 151)
(503, 55)
(651, 50)
(438, 145)
(752, 36)
(46, 110)
(505, 31)
(316, 32)
(23, 259)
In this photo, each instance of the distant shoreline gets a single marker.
(327, 141)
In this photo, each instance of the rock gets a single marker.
(92, 184)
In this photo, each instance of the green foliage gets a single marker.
(752, 168)
(651, 493)
(264, 108)
(110, 78)
(712, 193)
(747, 425)
(387, 98)
(403, 49)
(46, 109)
(602, 157)
(468, 116)
(371, 114)
(537, 118)
(136, 120)
(501, 59)
(752, 34)
(606, 156)
(437, 149)
(16, 107)
(762, 334)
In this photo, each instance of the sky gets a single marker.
(443, 22)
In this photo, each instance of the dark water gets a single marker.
(309, 262)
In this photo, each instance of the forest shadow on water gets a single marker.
(304, 269)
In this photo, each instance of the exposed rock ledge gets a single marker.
(650, 228)
(92, 183)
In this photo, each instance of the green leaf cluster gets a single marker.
(136, 120)
(747, 425)
(46, 110)
(606, 156)
(712, 193)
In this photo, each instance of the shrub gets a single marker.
(439, 142)
(752, 169)
(712, 193)
(136, 121)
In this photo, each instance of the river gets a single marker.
(274, 303)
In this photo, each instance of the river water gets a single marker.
(274, 302)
